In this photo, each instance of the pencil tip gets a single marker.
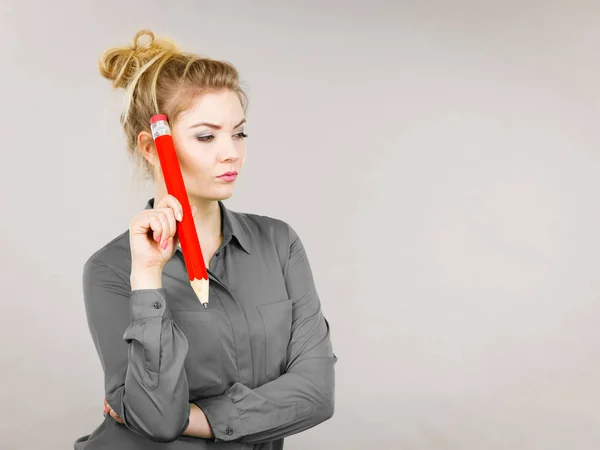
(206, 306)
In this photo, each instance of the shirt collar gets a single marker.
(230, 226)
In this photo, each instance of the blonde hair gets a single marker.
(160, 79)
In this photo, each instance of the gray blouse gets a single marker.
(258, 361)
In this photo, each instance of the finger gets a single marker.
(170, 241)
(170, 214)
(148, 222)
(164, 222)
(170, 201)
(156, 226)
(114, 415)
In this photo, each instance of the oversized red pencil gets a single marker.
(186, 229)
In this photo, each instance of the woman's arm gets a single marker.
(141, 351)
(199, 426)
(303, 396)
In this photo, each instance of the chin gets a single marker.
(219, 195)
(213, 195)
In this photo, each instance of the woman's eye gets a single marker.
(210, 137)
(206, 138)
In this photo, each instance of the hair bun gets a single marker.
(122, 64)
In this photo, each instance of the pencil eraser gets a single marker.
(158, 117)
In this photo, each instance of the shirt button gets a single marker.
(229, 431)
(157, 305)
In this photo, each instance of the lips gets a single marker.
(228, 174)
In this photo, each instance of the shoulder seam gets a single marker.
(287, 260)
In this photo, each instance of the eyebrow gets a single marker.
(215, 126)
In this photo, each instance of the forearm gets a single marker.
(294, 402)
(198, 426)
(145, 380)
(153, 401)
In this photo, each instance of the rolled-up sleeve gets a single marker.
(141, 351)
(304, 395)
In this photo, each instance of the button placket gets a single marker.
(237, 318)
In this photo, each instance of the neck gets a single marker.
(207, 218)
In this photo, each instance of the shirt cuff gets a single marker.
(147, 303)
(223, 417)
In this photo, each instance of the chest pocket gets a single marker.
(277, 322)
(203, 361)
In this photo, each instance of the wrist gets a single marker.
(146, 278)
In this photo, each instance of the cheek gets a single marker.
(197, 169)
(194, 160)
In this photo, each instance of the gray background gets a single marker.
(438, 159)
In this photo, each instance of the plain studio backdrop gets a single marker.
(440, 161)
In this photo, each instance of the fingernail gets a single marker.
(179, 216)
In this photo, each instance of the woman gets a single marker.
(256, 365)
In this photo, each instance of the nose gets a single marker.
(230, 149)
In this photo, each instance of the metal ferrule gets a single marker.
(160, 128)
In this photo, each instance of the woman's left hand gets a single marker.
(111, 411)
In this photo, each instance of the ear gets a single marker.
(145, 144)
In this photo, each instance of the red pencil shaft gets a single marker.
(186, 229)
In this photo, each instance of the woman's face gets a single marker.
(210, 141)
